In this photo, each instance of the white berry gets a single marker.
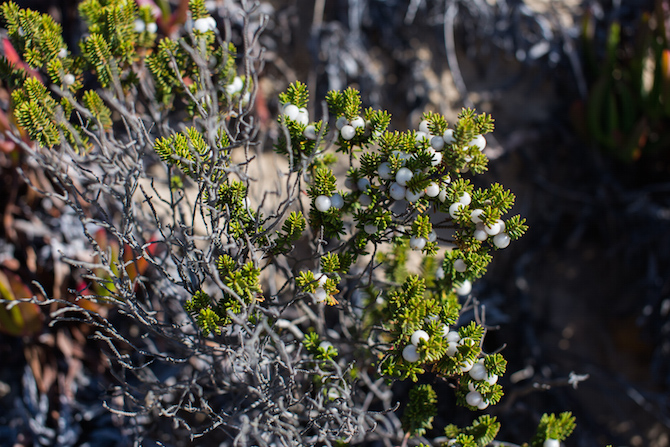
(492, 379)
(454, 208)
(204, 24)
(460, 265)
(417, 243)
(323, 203)
(320, 295)
(62, 53)
(358, 122)
(483, 405)
(347, 132)
(68, 79)
(423, 126)
(437, 143)
(437, 159)
(385, 171)
(420, 136)
(322, 278)
(365, 200)
(419, 335)
(465, 199)
(501, 240)
(453, 337)
(551, 443)
(291, 111)
(433, 190)
(480, 235)
(403, 176)
(152, 28)
(493, 229)
(442, 196)
(236, 86)
(445, 330)
(303, 116)
(363, 184)
(139, 26)
(432, 236)
(336, 201)
(479, 142)
(452, 347)
(478, 372)
(474, 398)
(396, 191)
(439, 273)
(310, 132)
(341, 122)
(411, 196)
(464, 288)
(448, 136)
(370, 228)
(475, 215)
(410, 354)
(325, 345)
(467, 366)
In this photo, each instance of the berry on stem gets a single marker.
(385, 171)
(403, 176)
(433, 190)
(419, 335)
(501, 240)
(323, 203)
(417, 243)
(291, 111)
(310, 132)
(464, 288)
(320, 295)
(336, 201)
(410, 354)
(347, 132)
(396, 191)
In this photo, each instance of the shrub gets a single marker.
(283, 317)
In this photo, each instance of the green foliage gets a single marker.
(420, 411)
(553, 427)
(292, 229)
(481, 433)
(37, 37)
(243, 281)
(296, 94)
(319, 350)
(628, 106)
(200, 306)
(98, 109)
(34, 111)
(186, 150)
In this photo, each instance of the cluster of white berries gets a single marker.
(482, 231)
(479, 373)
(348, 128)
(205, 24)
(320, 294)
(140, 26)
(295, 113)
(324, 203)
